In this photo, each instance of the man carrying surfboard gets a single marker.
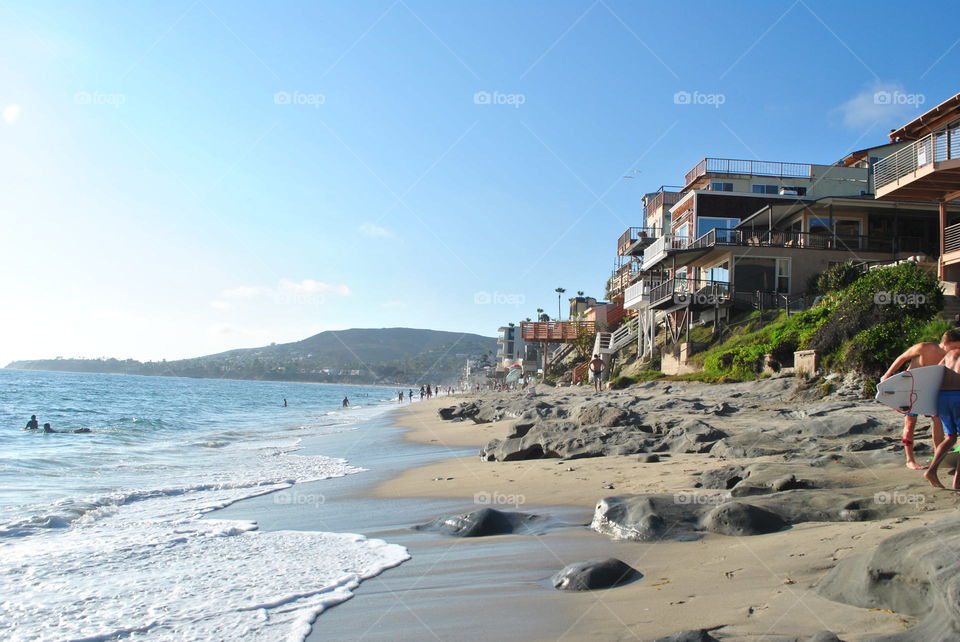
(927, 353)
(948, 407)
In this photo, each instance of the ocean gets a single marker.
(106, 534)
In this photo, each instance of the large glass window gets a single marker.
(765, 189)
(707, 223)
(717, 186)
(719, 273)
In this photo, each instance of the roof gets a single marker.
(780, 212)
(932, 120)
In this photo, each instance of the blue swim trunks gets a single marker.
(948, 405)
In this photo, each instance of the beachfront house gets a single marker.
(926, 167)
(509, 347)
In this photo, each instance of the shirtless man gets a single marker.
(927, 353)
(948, 404)
(597, 366)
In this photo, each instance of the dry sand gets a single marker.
(752, 588)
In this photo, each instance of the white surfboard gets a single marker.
(913, 390)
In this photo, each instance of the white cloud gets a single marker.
(371, 229)
(885, 104)
(309, 286)
(10, 114)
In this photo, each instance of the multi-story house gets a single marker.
(510, 347)
(926, 167)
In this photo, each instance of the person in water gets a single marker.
(346, 402)
(47, 428)
(948, 408)
(927, 353)
(33, 424)
(284, 402)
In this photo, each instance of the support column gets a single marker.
(943, 229)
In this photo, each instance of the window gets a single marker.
(719, 273)
(707, 223)
(783, 276)
(721, 187)
(762, 274)
(766, 189)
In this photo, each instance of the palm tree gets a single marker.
(541, 316)
(579, 292)
(559, 292)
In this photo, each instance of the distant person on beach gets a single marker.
(400, 397)
(927, 353)
(597, 367)
(410, 396)
(423, 391)
(33, 424)
(284, 402)
(429, 391)
(948, 407)
(346, 402)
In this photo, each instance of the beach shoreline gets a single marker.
(762, 586)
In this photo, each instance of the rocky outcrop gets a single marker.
(595, 574)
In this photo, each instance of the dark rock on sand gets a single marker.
(824, 636)
(645, 518)
(595, 574)
(483, 523)
(699, 635)
(913, 572)
(460, 412)
(738, 518)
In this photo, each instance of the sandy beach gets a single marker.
(757, 587)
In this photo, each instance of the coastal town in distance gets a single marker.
(404, 320)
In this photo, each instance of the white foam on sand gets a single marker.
(144, 563)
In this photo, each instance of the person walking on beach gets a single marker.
(400, 397)
(423, 391)
(33, 424)
(597, 366)
(410, 396)
(346, 402)
(948, 408)
(927, 353)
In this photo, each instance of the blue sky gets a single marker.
(185, 177)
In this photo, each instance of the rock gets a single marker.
(722, 409)
(483, 523)
(644, 518)
(697, 635)
(600, 414)
(652, 458)
(824, 636)
(859, 445)
(595, 574)
(913, 572)
(691, 436)
(738, 518)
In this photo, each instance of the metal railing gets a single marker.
(689, 291)
(933, 148)
(753, 168)
(808, 240)
(663, 245)
(555, 331)
(660, 198)
(633, 235)
(951, 238)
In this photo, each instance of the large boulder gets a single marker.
(595, 574)
(483, 523)
(697, 635)
(598, 413)
(645, 518)
(739, 519)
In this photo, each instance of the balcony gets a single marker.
(807, 240)
(632, 242)
(661, 198)
(687, 292)
(556, 331)
(638, 295)
(697, 177)
(926, 170)
(662, 247)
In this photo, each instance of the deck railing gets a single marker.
(753, 168)
(951, 238)
(683, 291)
(933, 148)
(634, 234)
(808, 240)
(556, 331)
(661, 198)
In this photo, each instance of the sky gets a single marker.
(183, 177)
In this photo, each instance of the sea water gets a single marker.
(104, 535)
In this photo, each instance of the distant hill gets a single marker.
(385, 355)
